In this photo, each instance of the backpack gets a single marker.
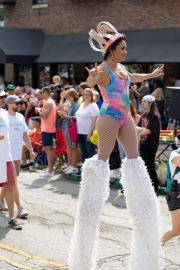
(170, 178)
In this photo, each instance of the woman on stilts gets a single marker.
(115, 121)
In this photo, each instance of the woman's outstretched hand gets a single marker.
(158, 72)
(94, 72)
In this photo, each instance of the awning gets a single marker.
(20, 45)
(7, 2)
(153, 45)
(30, 45)
(67, 48)
(149, 45)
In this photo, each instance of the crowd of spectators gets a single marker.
(59, 120)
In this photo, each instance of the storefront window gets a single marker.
(24, 75)
(66, 71)
(44, 76)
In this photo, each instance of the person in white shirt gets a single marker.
(173, 197)
(17, 129)
(86, 117)
(8, 179)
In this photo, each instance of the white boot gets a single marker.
(94, 192)
(146, 252)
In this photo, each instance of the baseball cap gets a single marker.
(10, 87)
(12, 99)
(2, 93)
(36, 118)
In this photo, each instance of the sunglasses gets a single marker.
(2, 97)
(17, 103)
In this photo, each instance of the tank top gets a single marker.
(49, 124)
(116, 97)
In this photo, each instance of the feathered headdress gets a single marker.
(104, 30)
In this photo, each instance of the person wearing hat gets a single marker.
(17, 129)
(114, 122)
(10, 89)
(149, 131)
(8, 179)
(35, 139)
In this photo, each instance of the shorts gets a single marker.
(69, 142)
(47, 138)
(172, 201)
(17, 164)
(10, 175)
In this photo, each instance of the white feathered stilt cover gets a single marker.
(94, 191)
(142, 202)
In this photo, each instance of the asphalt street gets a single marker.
(44, 241)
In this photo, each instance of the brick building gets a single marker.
(59, 41)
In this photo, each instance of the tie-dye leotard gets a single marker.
(115, 97)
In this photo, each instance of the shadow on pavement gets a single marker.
(59, 184)
(4, 227)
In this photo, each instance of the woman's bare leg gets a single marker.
(74, 152)
(107, 129)
(128, 138)
(2, 194)
(69, 157)
(175, 231)
(9, 199)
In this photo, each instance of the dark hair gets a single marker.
(83, 85)
(22, 101)
(76, 80)
(158, 83)
(172, 76)
(67, 87)
(153, 110)
(57, 90)
(112, 47)
(46, 90)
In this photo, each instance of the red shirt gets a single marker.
(35, 137)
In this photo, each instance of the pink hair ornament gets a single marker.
(104, 30)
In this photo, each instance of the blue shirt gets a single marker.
(72, 109)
